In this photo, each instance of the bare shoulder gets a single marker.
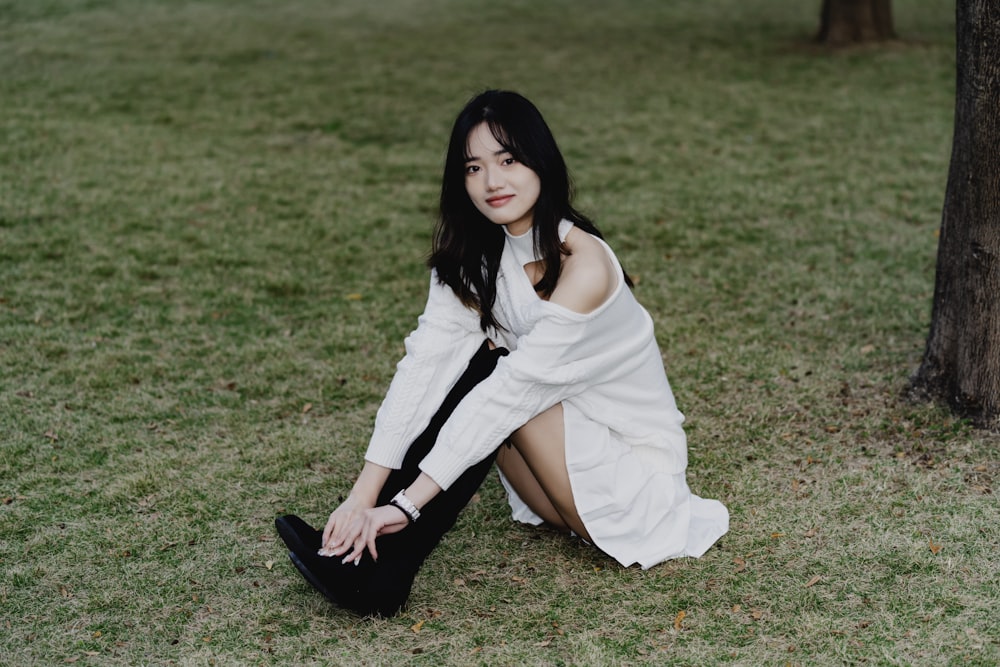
(588, 277)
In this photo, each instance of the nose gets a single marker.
(494, 179)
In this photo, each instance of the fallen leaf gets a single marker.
(934, 547)
(679, 618)
(810, 533)
(269, 564)
(353, 297)
(417, 626)
(459, 582)
(756, 614)
(813, 581)
(867, 349)
(307, 407)
(544, 643)
(775, 536)
(740, 564)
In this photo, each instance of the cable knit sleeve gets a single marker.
(562, 355)
(437, 351)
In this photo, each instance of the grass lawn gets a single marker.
(213, 220)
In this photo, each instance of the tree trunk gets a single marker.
(961, 364)
(854, 21)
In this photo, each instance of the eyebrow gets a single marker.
(473, 158)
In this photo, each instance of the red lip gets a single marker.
(499, 201)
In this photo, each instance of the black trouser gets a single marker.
(382, 587)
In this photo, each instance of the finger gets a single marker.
(342, 536)
(349, 536)
(371, 544)
(355, 554)
(339, 548)
(329, 529)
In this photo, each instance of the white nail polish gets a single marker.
(357, 561)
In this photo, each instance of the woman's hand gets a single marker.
(343, 526)
(354, 526)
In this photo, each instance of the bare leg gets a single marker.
(514, 468)
(541, 444)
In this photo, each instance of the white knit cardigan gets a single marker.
(604, 363)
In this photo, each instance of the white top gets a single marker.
(603, 366)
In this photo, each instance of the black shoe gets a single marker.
(314, 579)
(298, 536)
(339, 583)
(363, 589)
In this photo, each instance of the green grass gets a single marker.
(213, 217)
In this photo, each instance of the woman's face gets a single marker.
(503, 189)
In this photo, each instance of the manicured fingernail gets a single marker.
(357, 561)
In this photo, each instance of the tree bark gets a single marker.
(961, 364)
(855, 21)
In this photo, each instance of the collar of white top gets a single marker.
(523, 246)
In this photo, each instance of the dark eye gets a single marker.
(508, 161)
(471, 169)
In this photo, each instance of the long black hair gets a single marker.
(467, 246)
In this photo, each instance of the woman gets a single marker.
(531, 338)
